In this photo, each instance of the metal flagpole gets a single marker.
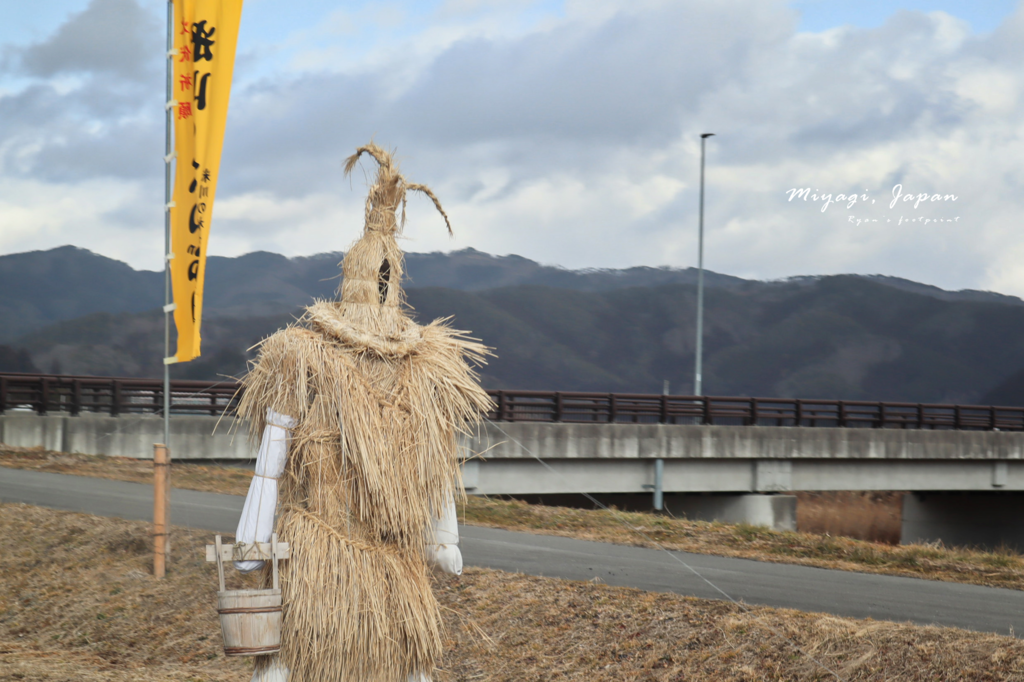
(162, 451)
(168, 158)
(697, 388)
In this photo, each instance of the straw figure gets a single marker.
(357, 410)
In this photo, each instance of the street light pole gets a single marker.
(697, 388)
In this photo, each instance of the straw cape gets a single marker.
(378, 402)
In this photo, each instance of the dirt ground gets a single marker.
(77, 602)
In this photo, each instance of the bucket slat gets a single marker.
(250, 621)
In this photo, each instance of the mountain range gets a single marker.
(846, 336)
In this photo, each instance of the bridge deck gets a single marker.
(620, 458)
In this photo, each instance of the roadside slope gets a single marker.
(77, 602)
(992, 569)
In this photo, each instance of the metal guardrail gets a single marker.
(43, 394)
(681, 409)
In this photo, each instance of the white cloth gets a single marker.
(276, 671)
(443, 547)
(257, 521)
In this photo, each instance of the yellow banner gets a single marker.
(205, 35)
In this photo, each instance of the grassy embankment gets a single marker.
(77, 602)
(998, 569)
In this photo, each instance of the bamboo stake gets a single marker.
(161, 539)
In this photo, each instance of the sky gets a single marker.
(563, 131)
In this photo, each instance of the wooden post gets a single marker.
(167, 505)
(161, 499)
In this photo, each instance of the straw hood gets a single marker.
(371, 291)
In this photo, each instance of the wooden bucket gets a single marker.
(250, 620)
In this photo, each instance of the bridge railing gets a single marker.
(74, 395)
(44, 394)
(682, 409)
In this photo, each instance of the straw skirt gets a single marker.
(352, 611)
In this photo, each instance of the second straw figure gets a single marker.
(357, 410)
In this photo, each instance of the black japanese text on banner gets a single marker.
(206, 32)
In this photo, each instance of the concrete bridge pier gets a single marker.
(975, 519)
(777, 512)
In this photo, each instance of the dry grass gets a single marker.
(207, 478)
(77, 603)
(873, 516)
(77, 598)
(995, 569)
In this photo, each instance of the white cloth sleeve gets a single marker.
(275, 671)
(257, 521)
(443, 548)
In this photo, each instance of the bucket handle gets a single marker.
(273, 558)
(220, 564)
(220, 553)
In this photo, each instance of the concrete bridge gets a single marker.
(964, 486)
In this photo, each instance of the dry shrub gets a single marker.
(75, 604)
(871, 516)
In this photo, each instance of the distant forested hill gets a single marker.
(43, 287)
(852, 337)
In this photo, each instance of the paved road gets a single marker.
(859, 595)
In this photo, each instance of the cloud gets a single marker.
(554, 98)
(36, 215)
(574, 140)
(91, 107)
(112, 37)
